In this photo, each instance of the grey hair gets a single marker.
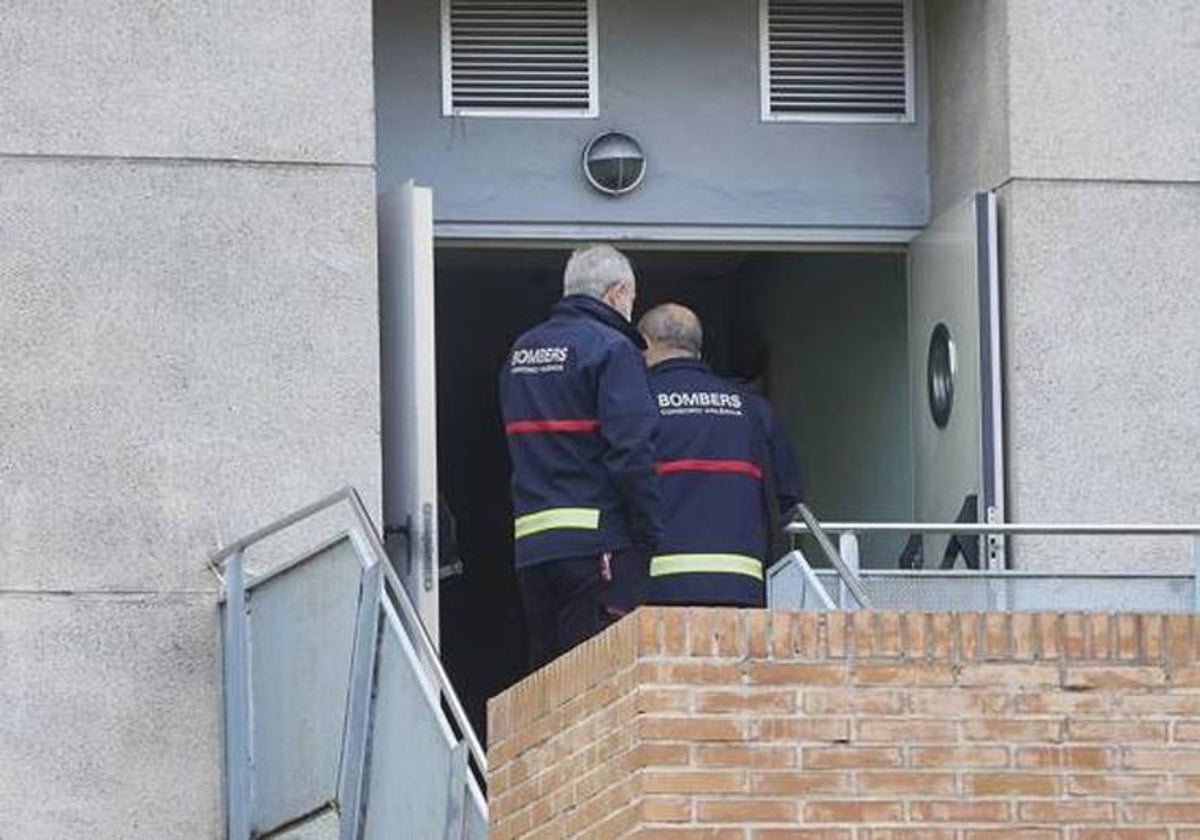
(594, 269)
(675, 326)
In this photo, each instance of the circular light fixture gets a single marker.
(613, 163)
(940, 369)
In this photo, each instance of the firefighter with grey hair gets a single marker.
(726, 468)
(579, 421)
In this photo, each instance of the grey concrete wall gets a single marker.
(188, 328)
(1084, 116)
(1105, 91)
(257, 79)
(1103, 363)
(680, 75)
(968, 97)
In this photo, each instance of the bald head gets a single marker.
(672, 331)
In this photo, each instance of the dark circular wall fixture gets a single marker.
(614, 163)
(940, 370)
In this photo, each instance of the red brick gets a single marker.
(806, 635)
(800, 783)
(1069, 757)
(1178, 760)
(889, 637)
(907, 782)
(692, 781)
(1024, 635)
(689, 832)
(1066, 811)
(1010, 675)
(810, 729)
(995, 636)
(801, 834)
(1075, 635)
(1117, 784)
(817, 701)
(979, 811)
(1113, 676)
(941, 641)
(843, 811)
(1010, 784)
(907, 730)
(1049, 633)
(660, 809)
(1013, 730)
(748, 757)
(922, 833)
(1162, 812)
(838, 758)
(1128, 636)
(916, 634)
(796, 673)
(691, 728)
(757, 622)
(969, 632)
(1116, 731)
(916, 674)
(959, 757)
(745, 700)
(1124, 834)
(1100, 635)
(1012, 834)
(742, 811)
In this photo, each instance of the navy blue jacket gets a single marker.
(580, 420)
(721, 453)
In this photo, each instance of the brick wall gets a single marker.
(748, 725)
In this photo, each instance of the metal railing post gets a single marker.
(848, 549)
(236, 664)
(1196, 573)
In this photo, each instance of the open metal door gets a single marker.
(409, 385)
(954, 373)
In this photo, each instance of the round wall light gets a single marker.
(940, 370)
(613, 163)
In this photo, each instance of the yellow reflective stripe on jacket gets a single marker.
(730, 564)
(545, 520)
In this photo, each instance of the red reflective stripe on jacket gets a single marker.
(520, 427)
(708, 465)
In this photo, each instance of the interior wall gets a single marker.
(836, 333)
(682, 76)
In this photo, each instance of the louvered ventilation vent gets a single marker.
(519, 57)
(847, 60)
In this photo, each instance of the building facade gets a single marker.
(190, 318)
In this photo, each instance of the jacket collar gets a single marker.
(681, 364)
(575, 306)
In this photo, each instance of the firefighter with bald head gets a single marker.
(724, 467)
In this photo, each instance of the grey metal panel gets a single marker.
(971, 591)
(301, 642)
(236, 696)
(323, 826)
(409, 734)
(477, 817)
(682, 76)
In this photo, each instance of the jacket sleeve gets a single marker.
(628, 417)
(785, 472)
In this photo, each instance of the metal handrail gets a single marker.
(428, 649)
(853, 584)
(999, 528)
